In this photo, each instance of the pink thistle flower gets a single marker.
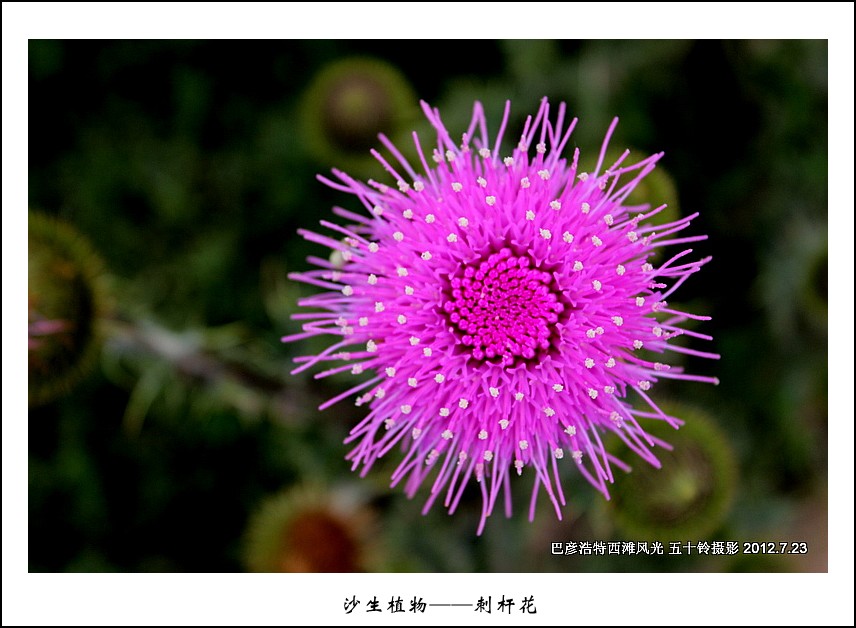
(38, 327)
(499, 301)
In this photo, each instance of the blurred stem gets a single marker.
(187, 354)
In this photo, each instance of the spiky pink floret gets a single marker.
(499, 303)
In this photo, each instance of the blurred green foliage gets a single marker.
(186, 165)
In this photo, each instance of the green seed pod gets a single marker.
(66, 300)
(345, 107)
(689, 496)
(309, 529)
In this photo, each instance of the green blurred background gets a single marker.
(184, 445)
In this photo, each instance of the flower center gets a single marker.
(504, 307)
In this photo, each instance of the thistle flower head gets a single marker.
(497, 302)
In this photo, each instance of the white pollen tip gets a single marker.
(371, 346)
(380, 393)
(407, 213)
(404, 186)
(389, 423)
(618, 321)
(416, 433)
(631, 235)
(585, 207)
(483, 435)
(589, 363)
(451, 238)
(374, 247)
(411, 381)
(414, 341)
(463, 222)
(523, 444)
(430, 218)
(582, 176)
(545, 233)
(558, 453)
(608, 219)
(494, 392)
(567, 237)
(398, 236)
(463, 403)
(596, 285)
(544, 174)
(657, 331)
(445, 411)
(390, 371)
(418, 186)
(570, 430)
(637, 344)
(518, 396)
(356, 369)
(591, 333)
(503, 423)
(645, 385)
(620, 269)
(378, 306)
(488, 456)
(577, 456)
(484, 152)
(347, 291)
(549, 412)
(524, 182)
(592, 393)
(490, 200)
(426, 255)
(578, 266)
(457, 187)
(541, 148)
(401, 319)
(598, 330)
(377, 210)
(439, 378)
(447, 434)
(557, 205)
(596, 241)
(402, 272)
(482, 182)
(640, 301)
(364, 320)
(427, 351)
(406, 408)
(508, 161)
(530, 215)
(610, 363)
(372, 279)
(558, 387)
(647, 268)
(408, 290)
(450, 155)
(518, 464)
